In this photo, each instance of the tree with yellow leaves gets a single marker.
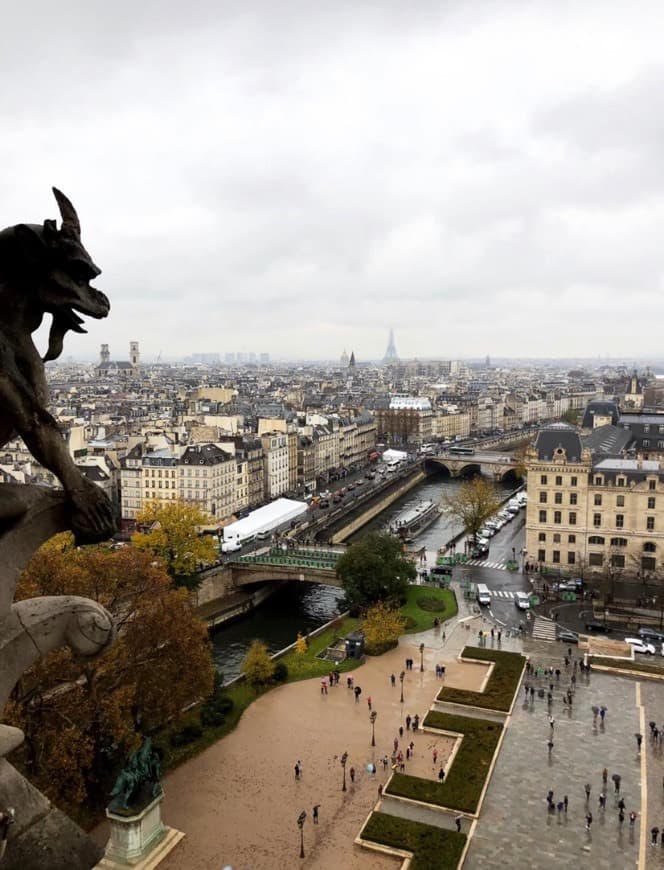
(301, 644)
(82, 716)
(172, 534)
(474, 502)
(257, 666)
(382, 626)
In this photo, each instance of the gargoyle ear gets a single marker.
(30, 242)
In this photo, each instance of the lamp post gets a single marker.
(343, 760)
(421, 657)
(401, 676)
(372, 719)
(300, 822)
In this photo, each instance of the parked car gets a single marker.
(647, 633)
(640, 646)
(567, 636)
(592, 625)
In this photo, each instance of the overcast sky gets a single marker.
(296, 177)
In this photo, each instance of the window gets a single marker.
(597, 520)
(648, 563)
(559, 480)
(556, 538)
(571, 558)
(541, 556)
(558, 498)
(572, 518)
(572, 498)
(595, 559)
(541, 537)
(621, 481)
(598, 481)
(620, 521)
(651, 503)
(557, 517)
(650, 524)
(620, 501)
(649, 547)
(598, 500)
(618, 542)
(617, 560)
(542, 516)
(596, 539)
(652, 484)
(571, 539)
(543, 480)
(542, 497)
(573, 481)
(646, 428)
(646, 442)
(556, 557)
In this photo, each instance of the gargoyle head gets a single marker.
(63, 270)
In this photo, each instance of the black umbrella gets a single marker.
(616, 777)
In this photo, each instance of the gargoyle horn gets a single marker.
(70, 222)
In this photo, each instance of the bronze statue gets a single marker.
(46, 270)
(43, 270)
(138, 781)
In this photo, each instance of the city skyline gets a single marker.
(299, 179)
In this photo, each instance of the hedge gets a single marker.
(465, 779)
(433, 848)
(501, 686)
(657, 670)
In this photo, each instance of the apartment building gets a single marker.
(207, 477)
(592, 512)
(275, 463)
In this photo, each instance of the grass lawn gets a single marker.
(502, 683)
(433, 848)
(420, 618)
(464, 782)
(302, 667)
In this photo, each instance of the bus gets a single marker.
(462, 451)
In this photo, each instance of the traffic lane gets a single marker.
(575, 616)
(509, 541)
(494, 578)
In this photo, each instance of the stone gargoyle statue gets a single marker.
(43, 270)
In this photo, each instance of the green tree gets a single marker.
(173, 536)
(571, 416)
(375, 569)
(382, 626)
(474, 502)
(257, 666)
(82, 716)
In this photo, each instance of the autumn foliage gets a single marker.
(82, 716)
(382, 626)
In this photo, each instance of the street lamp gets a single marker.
(343, 760)
(372, 719)
(401, 676)
(300, 822)
(421, 657)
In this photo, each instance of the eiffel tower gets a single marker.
(391, 354)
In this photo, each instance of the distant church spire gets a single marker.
(351, 364)
(391, 352)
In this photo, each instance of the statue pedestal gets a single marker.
(139, 841)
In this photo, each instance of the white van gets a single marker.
(522, 600)
(482, 594)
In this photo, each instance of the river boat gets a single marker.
(414, 519)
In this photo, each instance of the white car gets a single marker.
(640, 646)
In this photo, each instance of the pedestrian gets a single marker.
(605, 776)
(569, 652)
(500, 634)
(621, 815)
(589, 820)
(616, 782)
(349, 682)
(408, 721)
(393, 680)
(457, 822)
(408, 753)
(396, 743)
(314, 813)
(550, 745)
(602, 800)
(532, 694)
(632, 818)
(434, 755)
(297, 771)
(587, 788)
(639, 741)
(441, 775)
(352, 774)
(565, 802)
(380, 790)
(566, 662)
(369, 703)
(621, 804)
(323, 687)
(385, 762)
(400, 730)
(654, 833)
(560, 805)
(358, 692)
(602, 713)
(527, 688)
(552, 722)
(549, 798)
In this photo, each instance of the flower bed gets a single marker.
(502, 684)
(465, 779)
(433, 848)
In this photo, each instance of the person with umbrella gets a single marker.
(595, 710)
(616, 782)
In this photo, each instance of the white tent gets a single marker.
(394, 456)
(265, 519)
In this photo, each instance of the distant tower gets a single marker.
(344, 358)
(104, 356)
(488, 361)
(391, 352)
(351, 363)
(134, 356)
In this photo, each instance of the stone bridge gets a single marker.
(495, 465)
(248, 573)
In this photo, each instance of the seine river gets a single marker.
(303, 606)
